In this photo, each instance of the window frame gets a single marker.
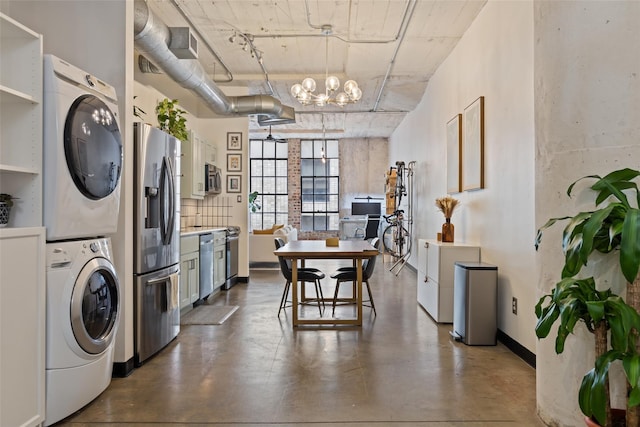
(327, 177)
(262, 212)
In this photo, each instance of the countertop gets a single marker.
(192, 231)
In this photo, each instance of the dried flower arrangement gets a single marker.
(447, 205)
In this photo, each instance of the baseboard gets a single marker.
(242, 279)
(122, 369)
(267, 264)
(517, 348)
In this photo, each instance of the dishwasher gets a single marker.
(206, 265)
(233, 235)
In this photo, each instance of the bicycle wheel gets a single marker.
(396, 240)
(388, 239)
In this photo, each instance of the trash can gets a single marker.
(475, 294)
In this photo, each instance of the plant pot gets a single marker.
(618, 419)
(5, 210)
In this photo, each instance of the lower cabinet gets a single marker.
(435, 275)
(22, 326)
(189, 270)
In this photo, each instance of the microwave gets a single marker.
(212, 179)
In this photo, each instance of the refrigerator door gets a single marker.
(157, 203)
(157, 312)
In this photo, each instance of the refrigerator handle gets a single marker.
(166, 224)
(172, 200)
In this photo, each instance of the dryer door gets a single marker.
(95, 306)
(93, 147)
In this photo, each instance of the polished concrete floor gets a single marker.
(399, 369)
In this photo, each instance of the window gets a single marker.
(268, 167)
(320, 179)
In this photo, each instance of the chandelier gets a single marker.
(305, 92)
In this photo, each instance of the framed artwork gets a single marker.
(473, 146)
(234, 183)
(234, 162)
(234, 140)
(454, 144)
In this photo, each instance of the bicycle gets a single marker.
(396, 240)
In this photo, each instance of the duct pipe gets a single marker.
(152, 38)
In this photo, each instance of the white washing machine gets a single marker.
(83, 299)
(82, 153)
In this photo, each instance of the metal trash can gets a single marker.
(475, 295)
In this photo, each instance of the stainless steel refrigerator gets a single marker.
(157, 240)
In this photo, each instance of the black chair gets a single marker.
(371, 230)
(312, 275)
(349, 274)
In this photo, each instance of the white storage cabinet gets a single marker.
(22, 259)
(436, 275)
(189, 271)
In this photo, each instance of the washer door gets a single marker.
(94, 306)
(93, 147)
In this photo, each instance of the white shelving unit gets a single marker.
(22, 241)
(21, 121)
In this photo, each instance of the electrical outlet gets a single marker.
(514, 305)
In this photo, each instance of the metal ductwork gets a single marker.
(152, 38)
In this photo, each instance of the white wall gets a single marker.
(587, 103)
(493, 59)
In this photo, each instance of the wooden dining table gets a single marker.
(301, 250)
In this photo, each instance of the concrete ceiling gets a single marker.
(390, 47)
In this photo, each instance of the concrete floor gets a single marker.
(399, 369)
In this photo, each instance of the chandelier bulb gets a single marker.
(309, 84)
(332, 83)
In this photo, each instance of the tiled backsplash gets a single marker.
(213, 211)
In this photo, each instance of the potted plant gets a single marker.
(6, 203)
(254, 206)
(171, 118)
(613, 229)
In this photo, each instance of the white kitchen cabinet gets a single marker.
(22, 326)
(189, 270)
(210, 153)
(435, 275)
(192, 168)
(21, 118)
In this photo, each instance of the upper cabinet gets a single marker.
(21, 121)
(210, 153)
(192, 167)
(196, 152)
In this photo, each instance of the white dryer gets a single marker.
(83, 299)
(82, 153)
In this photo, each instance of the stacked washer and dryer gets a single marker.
(82, 168)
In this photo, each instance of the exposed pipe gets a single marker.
(152, 38)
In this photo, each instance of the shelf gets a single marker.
(15, 96)
(11, 28)
(18, 169)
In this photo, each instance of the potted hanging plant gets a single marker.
(6, 203)
(254, 206)
(171, 118)
(613, 228)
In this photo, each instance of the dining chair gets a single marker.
(349, 274)
(311, 275)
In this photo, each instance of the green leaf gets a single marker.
(630, 245)
(631, 364)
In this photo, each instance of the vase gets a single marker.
(5, 210)
(447, 231)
